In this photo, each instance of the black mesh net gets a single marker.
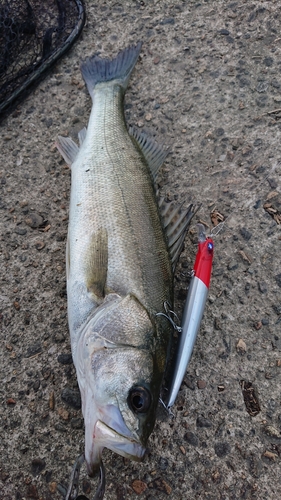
(33, 35)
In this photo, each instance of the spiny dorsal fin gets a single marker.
(96, 264)
(154, 153)
(82, 135)
(175, 221)
(67, 148)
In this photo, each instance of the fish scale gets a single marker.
(114, 190)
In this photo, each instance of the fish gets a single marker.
(123, 242)
(193, 312)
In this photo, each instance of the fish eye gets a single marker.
(139, 399)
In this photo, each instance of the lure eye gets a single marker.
(139, 399)
(210, 247)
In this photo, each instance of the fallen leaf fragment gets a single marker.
(53, 487)
(258, 325)
(270, 455)
(64, 414)
(273, 212)
(245, 256)
(39, 245)
(52, 401)
(139, 486)
(272, 194)
(216, 217)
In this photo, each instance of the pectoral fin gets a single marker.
(67, 148)
(96, 264)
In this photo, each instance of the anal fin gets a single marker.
(67, 148)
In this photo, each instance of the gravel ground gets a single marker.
(208, 84)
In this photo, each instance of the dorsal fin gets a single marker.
(154, 153)
(67, 148)
(175, 221)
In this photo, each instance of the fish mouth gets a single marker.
(107, 437)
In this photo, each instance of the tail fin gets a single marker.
(96, 70)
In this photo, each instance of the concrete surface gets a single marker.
(209, 85)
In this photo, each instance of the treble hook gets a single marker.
(168, 315)
(72, 492)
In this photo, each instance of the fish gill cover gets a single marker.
(33, 35)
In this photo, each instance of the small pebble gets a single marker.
(37, 465)
(230, 405)
(191, 438)
(189, 383)
(241, 346)
(203, 422)
(278, 279)
(168, 20)
(224, 32)
(65, 359)
(71, 398)
(222, 449)
(34, 220)
(36, 385)
(245, 233)
(33, 350)
(163, 463)
(262, 286)
(21, 231)
(201, 384)
(76, 423)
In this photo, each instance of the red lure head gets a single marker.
(203, 262)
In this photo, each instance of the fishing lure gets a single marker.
(193, 311)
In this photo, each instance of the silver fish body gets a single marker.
(119, 269)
